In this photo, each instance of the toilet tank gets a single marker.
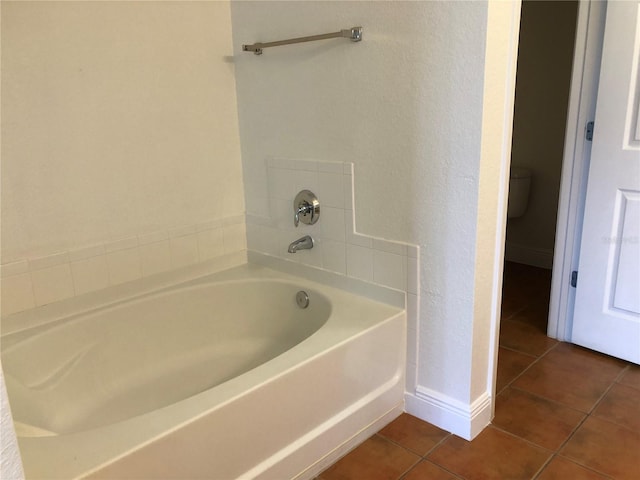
(519, 186)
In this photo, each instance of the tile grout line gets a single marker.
(557, 450)
(515, 350)
(433, 449)
(579, 425)
(544, 466)
(513, 314)
(455, 475)
(550, 400)
(606, 392)
(530, 443)
(622, 374)
(406, 472)
(606, 420)
(528, 366)
(387, 439)
(437, 445)
(422, 457)
(536, 359)
(568, 459)
(614, 382)
(511, 434)
(586, 467)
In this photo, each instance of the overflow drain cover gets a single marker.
(302, 299)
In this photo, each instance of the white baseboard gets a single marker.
(463, 420)
(536, 257)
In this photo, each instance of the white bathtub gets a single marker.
(220, 377)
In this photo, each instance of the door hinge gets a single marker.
(589, 131)
(574, 278)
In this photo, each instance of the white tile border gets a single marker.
(14, 268)
(153, 237)
(123, 258)
(182, 231)
(48, 261)
(271, 234)
(51, 312)
(86, 252)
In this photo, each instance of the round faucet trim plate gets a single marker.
(306, 208)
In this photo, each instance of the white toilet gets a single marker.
(519, 185)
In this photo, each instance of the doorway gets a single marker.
(545, 58)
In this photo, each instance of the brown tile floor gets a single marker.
(562, 412)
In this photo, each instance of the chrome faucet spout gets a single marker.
(304, 243)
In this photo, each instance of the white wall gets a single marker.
(118, 119)
(542, 97)
(405, 106)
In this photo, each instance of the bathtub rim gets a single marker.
(14, 337)
(88, 302)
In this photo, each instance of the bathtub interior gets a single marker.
(153, 380)
(151, 352)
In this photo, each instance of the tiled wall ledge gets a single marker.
(34, 282)
(27, 320)
(379, 293)
(337, 246)
(46, 314)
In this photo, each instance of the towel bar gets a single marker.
(354, 34)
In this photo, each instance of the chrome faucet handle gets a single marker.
(306, 208)
(302, 209)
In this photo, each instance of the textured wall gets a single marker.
(405, 106)
(118, 119)
(10, 464)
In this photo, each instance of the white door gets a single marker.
(607, 309)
